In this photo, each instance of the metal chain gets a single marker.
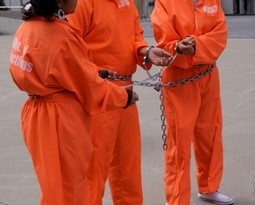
(119, 77)
(163, 116)
(159, 87)
(192, 79)
(141, 83)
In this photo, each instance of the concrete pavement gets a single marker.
(18, 184)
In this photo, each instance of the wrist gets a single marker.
(103, 73)
(177, 48)
(146, 56)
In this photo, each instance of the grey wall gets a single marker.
(146, 6)
(229, 6)
(251, 7)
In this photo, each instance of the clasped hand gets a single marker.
(186, 46)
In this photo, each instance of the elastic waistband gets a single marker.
(54, 96)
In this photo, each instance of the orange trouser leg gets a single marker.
(191, 114)
(104, 131)
(56, 135)
(117, 154)
(208, 138)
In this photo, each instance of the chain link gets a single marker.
(141, 83)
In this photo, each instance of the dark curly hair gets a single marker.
(44, 8)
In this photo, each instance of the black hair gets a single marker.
(44, 8)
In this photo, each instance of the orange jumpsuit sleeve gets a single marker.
(74, 71)
(210, 45)
(139, 39)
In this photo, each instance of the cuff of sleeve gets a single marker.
(103, 73)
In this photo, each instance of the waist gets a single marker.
(120, 77)
(121, 80)
(177, 74)
(51, 96)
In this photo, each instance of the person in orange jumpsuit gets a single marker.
(51, 62)
(112, 30)
(196, 30)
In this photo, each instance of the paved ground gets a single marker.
(18, 185)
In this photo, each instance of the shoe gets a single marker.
(217, 198)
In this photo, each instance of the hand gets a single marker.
(106, 74)
(160, 57)
(134, 98)
(186, 46)
(189, 41)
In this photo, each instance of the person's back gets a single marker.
(45, 58)
(35, 38)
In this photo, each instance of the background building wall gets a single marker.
(229, 7)
(251, 7)
(145, 7)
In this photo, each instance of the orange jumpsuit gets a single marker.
(51, 61)
(193, 111)
(112, 30)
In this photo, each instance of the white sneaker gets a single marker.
(217, 198)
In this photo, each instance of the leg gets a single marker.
(58, 141)
(208, 142)
(181, 104)
(104, 131)
(208, 138)
(125, 171)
